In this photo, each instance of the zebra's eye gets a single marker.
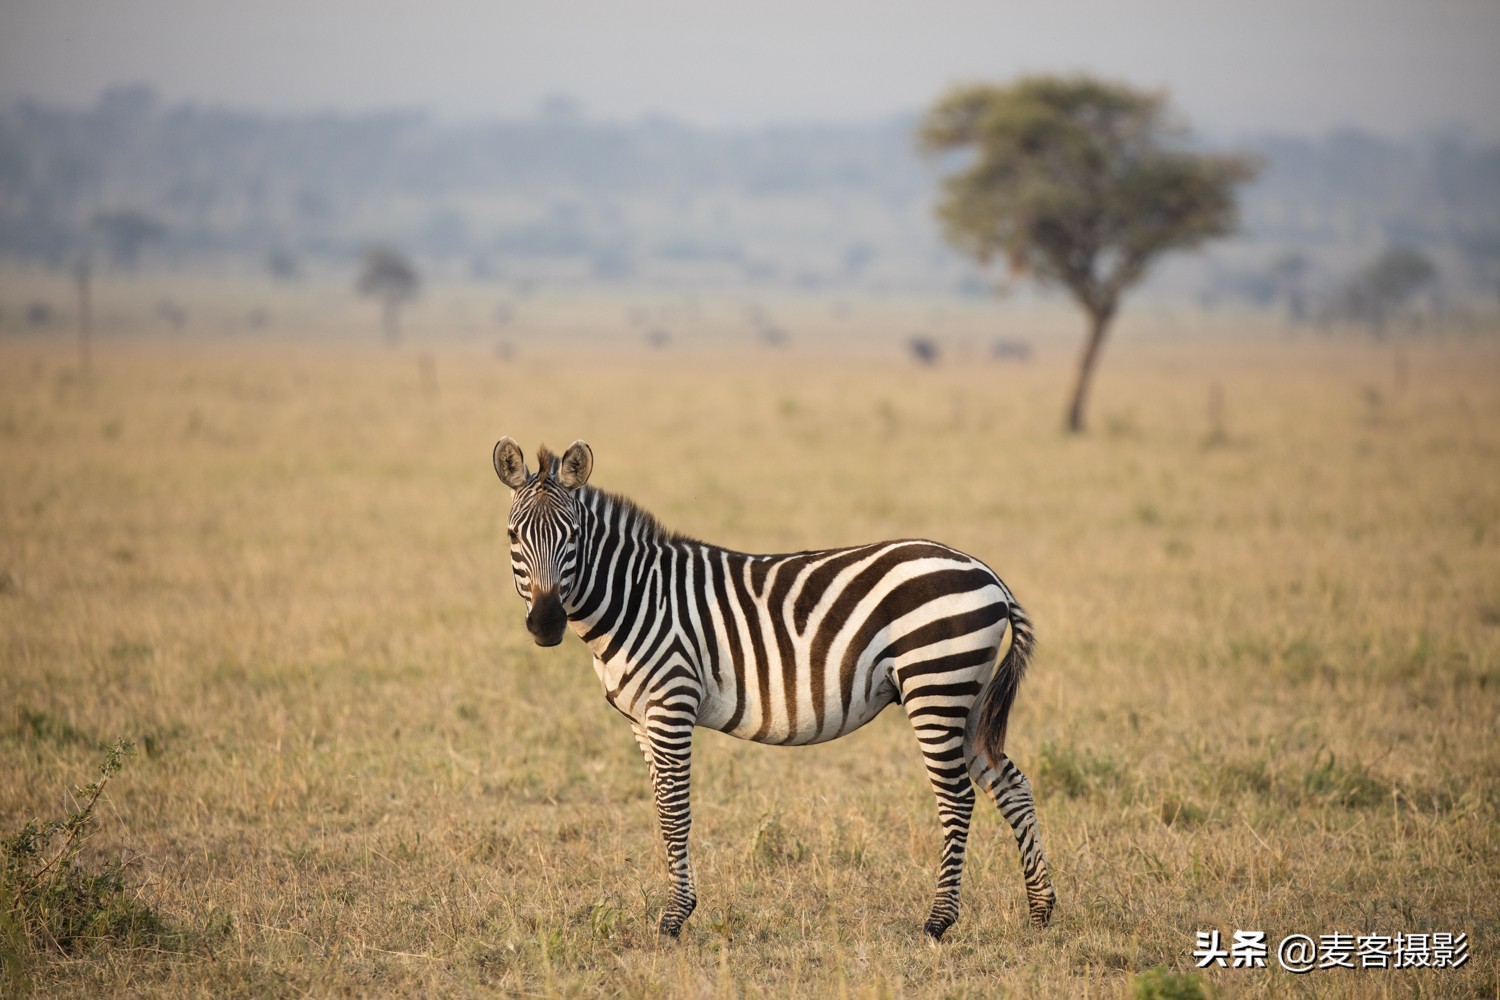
(512, 533)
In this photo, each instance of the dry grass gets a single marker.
(1265, 697)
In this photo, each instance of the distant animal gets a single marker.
(1010, 350)
(773, 336)
(788, 649)
(923, 348)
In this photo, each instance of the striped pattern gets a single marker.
(789, 649)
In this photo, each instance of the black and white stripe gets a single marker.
(791, 649)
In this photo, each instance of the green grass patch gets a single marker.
(40, 726)
(1075, 772)
(1163, 984)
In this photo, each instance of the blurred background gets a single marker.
(505, 149)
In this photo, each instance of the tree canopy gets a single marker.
(1379, 292)
(386, 273)
(126, 233)
(1078, 183)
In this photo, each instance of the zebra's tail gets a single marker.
(999, 694)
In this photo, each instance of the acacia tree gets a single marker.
(1378, 293)
(387, 275)
(1078, 183)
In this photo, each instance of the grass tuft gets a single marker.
(1351, 786)
(774, 843)
(1075, 771)
(40, 726)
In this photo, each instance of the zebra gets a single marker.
(788, 649)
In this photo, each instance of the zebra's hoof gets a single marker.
(671, 922)
(935, 929)
(1041, 911)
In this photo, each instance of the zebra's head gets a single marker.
(543, 527)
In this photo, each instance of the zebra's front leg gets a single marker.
(668, 748)
(942, 752)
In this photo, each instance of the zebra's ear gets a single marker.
(577, 463)
(510, 464)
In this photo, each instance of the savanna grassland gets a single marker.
(1266, 695)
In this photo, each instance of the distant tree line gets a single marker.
(610, 195)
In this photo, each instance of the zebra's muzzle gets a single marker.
(547, 619)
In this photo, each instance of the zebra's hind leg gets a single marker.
(943, 753)
(1011, 793)
(668, 750)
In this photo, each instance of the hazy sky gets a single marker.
(1394, 66)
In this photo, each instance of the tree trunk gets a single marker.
(1098, 325)
(391, 316)
(81, 278)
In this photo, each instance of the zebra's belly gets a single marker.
(789, 718)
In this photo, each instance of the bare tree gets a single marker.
(83, 273)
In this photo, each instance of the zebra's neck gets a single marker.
(620, 549)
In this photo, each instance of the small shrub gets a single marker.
(1147, 513)
(51, 902)
(604, 919)
(1160, 984)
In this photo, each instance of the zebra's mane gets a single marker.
(636, 516)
